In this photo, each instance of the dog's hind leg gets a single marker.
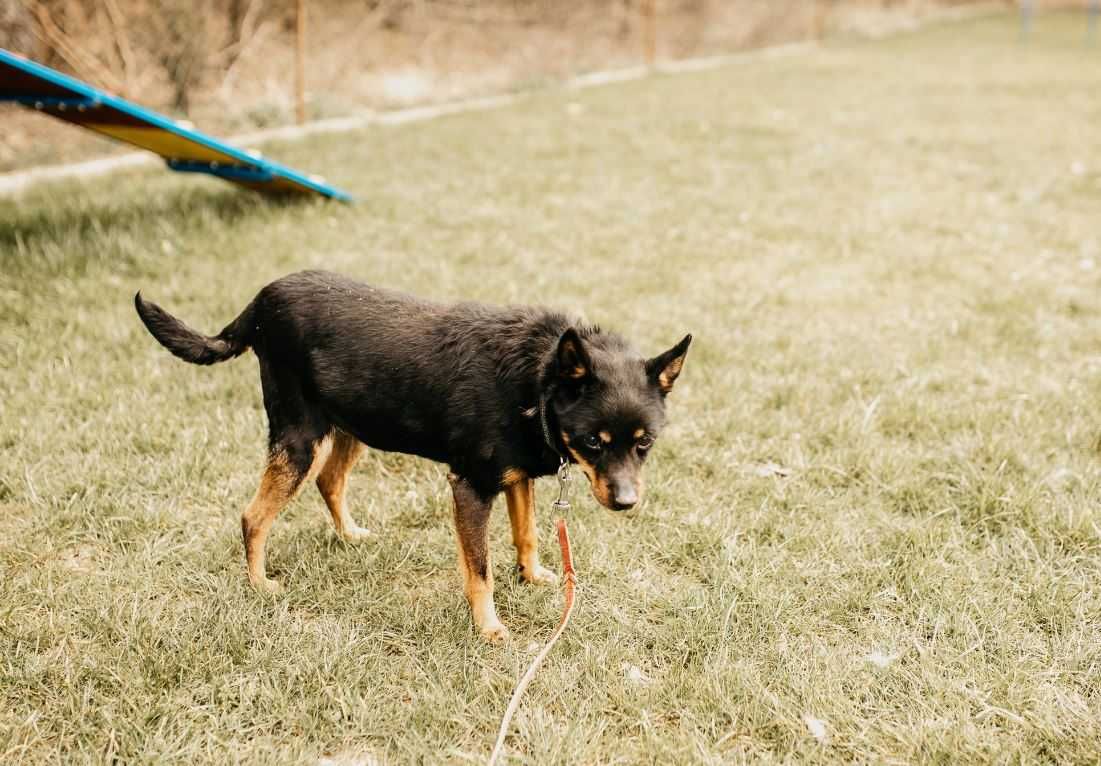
(290, 465)
(520, 496)
(333, 479)
(472, 530)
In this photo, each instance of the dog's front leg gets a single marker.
(472, 531)
(521, 513)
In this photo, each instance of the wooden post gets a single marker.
(300, 62)
(649, 31)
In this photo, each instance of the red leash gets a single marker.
(567, 568)
(570, 579)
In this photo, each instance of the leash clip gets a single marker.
(562, 504)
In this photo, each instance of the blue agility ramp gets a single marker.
(184, 149)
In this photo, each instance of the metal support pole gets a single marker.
(649, 31)
(1026, 20)
(300, 62)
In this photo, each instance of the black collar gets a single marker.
(550, 441)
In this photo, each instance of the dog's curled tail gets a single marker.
(192, 346)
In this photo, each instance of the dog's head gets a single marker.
(609, 403)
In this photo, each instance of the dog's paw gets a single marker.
(355, 534)
(495, 633)
(268, 586)
(540, 576)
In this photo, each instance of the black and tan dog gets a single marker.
(498, 394)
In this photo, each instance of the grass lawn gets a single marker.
(874, 515)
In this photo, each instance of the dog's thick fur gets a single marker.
(344, 364)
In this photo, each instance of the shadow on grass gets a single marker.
(42, 236)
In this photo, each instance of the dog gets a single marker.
(500, 395)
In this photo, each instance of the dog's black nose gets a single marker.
(624, 497)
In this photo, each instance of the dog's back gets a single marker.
(397, 372)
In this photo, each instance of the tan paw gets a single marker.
(541, 576)
(268, 586)
(495, 633)
(355, 534)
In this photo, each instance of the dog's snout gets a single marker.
(624, 496)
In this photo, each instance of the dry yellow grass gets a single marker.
(872, 531)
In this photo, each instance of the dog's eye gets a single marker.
(592, 441)
(645, 443)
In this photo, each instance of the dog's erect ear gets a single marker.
(573, 361)
(663, 369)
